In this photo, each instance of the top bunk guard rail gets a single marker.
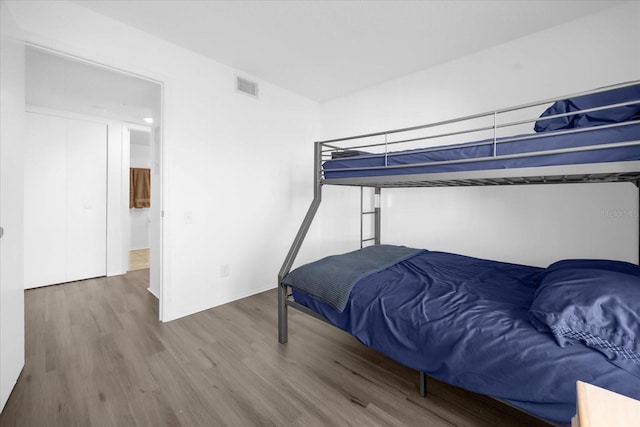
(476, 116)
(439, 139)
(495, 126)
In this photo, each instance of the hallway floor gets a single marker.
(138, 259)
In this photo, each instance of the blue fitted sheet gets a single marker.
(538, 142)
(465, 321)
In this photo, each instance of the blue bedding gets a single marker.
(466, 321)
(357, 165)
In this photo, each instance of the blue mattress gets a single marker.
(357, 165)
(466, 321)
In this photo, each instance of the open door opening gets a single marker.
(68, 88)
(144, 211)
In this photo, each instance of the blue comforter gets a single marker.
(466, 321)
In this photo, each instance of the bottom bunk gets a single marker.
(521, 334)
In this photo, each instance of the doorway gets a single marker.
(142, 143)
(140, 200)
(71, 88)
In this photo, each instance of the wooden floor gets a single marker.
(138, 259)
(96, 355)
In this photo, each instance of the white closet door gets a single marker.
(45, 195)
(65, 200)
(86, 200)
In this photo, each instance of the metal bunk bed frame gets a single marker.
(628, 171)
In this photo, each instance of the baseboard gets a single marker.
(152, 292)
(225, 301)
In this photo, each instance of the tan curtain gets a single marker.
(139, 188)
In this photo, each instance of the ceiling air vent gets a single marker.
(247, 87)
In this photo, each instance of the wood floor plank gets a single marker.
(151, 409)
(176, 388)
(96, 355)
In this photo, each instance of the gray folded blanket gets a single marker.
(331, 279)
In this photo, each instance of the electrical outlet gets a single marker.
(224, 270)
(188, 217)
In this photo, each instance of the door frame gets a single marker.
(157, 227)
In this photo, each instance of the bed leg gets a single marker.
(423, 384)
(283, 321)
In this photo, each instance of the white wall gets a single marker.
(227, 156)
(590, 52)
(11, 204)
(140, 149)
(533, 225)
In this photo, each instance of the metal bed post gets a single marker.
(297, 243)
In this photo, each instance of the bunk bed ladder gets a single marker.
(370, 210)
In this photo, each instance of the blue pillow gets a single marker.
(593, 118)
(598, 308)
(599, 264)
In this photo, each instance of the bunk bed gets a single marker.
(520, 334)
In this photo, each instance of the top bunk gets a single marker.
(592, 136)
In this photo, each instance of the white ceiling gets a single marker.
(327, 49)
